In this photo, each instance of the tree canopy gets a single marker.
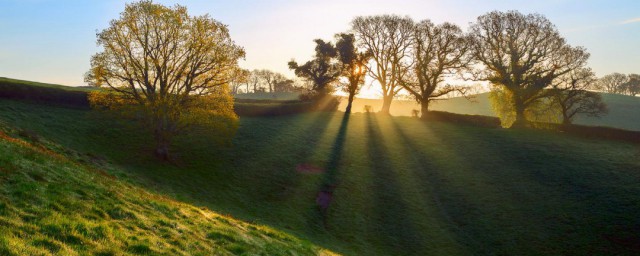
(172, 68)
(353, 65)
(522, 54)
(437, 51)
(322, 70)
(388, 38)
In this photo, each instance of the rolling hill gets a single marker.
(624, 111)
(397, 186)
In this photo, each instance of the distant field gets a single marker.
(624, 111)
(401, 186)
(4, 80)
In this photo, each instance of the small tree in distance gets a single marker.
(170, 68)
(438, 51)
(353, 66)
(571, 96)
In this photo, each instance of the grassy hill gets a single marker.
(57, 201)
(399, 186)
(624, 111)
(4, 80)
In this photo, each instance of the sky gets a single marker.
(53, 40)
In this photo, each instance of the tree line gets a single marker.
(619, 83)
(263, 80)
(173, 71)
(522, 56)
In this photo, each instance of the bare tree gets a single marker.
(632, 86)
(438, 51)
(612, 83)
(239, 78)
(523, 54)
(388, 38)
(271, 78)
(570, 94)
(171, 66)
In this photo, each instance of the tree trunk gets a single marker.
(424, 109)
(349, 104)
(521, 120)
(566, 120)
(386, 104)
(162, 151)
(162, 143)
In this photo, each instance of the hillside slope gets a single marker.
(51, 204)
(399, 186)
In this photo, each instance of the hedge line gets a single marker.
(43, 95)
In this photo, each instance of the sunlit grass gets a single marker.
(402, 186)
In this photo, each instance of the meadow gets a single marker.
(398, 186)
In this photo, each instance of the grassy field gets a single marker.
(56, 201)
(624, 111)
(400, 186)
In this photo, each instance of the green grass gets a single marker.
(57, 201)
(402, 186)
(624, 111)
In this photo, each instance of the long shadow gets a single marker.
(426, 170)
(392, 224)
(329, 183)
(553, 193)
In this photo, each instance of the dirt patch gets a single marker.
(308, 168)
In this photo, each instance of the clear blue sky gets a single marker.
(52, 41)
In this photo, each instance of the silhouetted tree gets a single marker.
(388, 38)
(438, 51)
(353, 65)
(270, 78)
(632, 86)
(571, 95)
(523, 54)
(322, 70)
(169, 67)
(239, 78)
(286, 85)
(254, 80)
(611, 83)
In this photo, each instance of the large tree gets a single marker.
(438, 51)
(322, 70)
(173, 68)
(388, 38)
(571, 96)
(353, 65)
(522, 54)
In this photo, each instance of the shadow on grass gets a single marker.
(329, 182)
(392, 226)
(426, 171)
(547, 196)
